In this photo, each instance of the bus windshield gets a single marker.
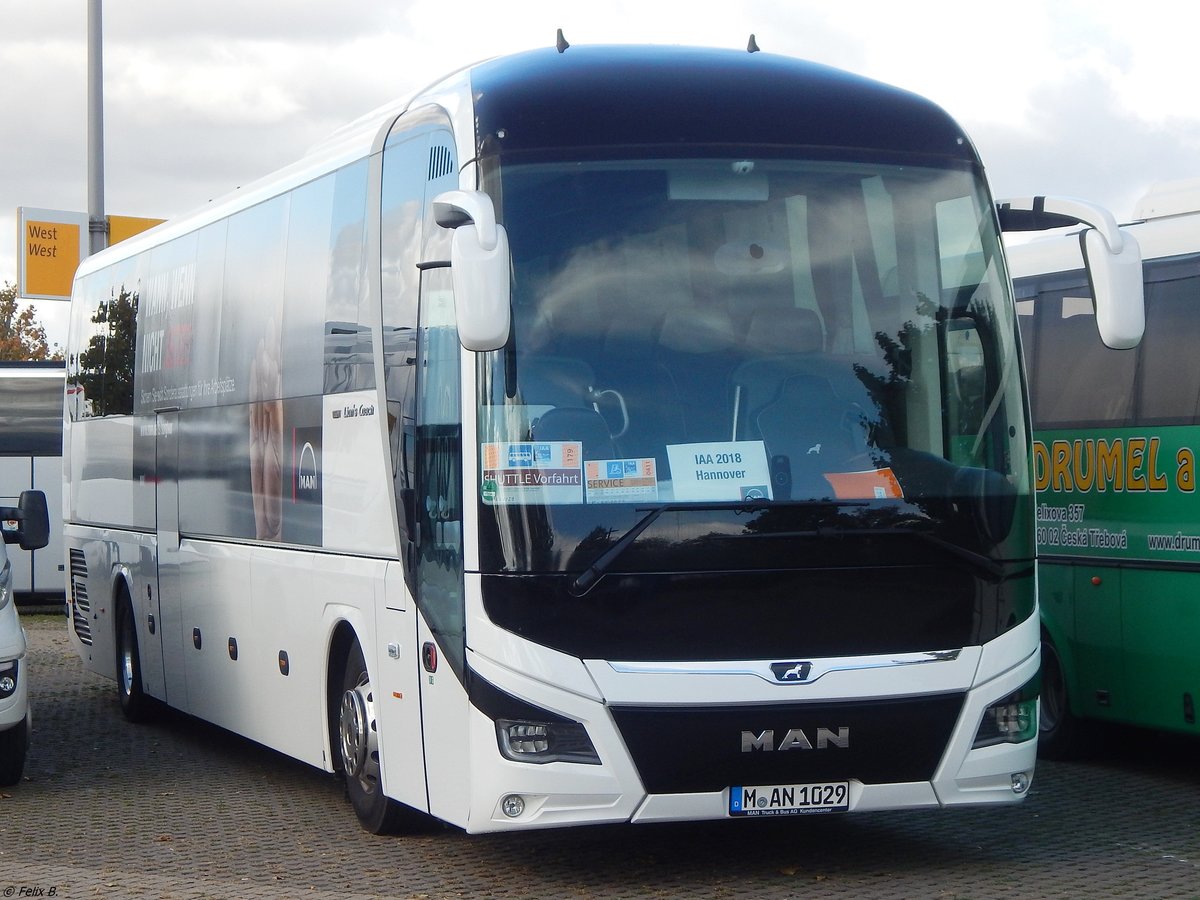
(730, 337)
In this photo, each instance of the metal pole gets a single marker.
(97, 223)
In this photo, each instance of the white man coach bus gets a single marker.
(538, 438)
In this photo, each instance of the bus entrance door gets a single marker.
(166, 674)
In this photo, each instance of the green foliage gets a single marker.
(22, 336)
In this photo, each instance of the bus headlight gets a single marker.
(543, 742)
(1012, 720)
(528, 733)
(5, 584)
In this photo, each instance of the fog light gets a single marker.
(513, 805)
(1020, 783)
(8, 680)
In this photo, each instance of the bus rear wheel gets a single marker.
(1059, 730)
(358, 745)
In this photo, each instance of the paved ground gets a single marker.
(180, 809)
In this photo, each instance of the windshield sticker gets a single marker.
(876, 484)
(532, 472)
(620, 480)
(720, 470)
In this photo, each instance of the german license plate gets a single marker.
(789, 799)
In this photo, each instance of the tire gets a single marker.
(1060, 732)
(136, 705)
(358, 751)
(14, 744)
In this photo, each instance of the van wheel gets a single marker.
(358, 746)
(14, 744)
(1060, 732)
(135, 703)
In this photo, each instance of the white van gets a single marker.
(31, 422)
(27, 525)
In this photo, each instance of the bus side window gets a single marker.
(1169, 387)
(400, 242)
(1092, 383)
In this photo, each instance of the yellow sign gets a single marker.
(52, 243)
(122, 227)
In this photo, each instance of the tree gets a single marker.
(22, 336)
(106, 365)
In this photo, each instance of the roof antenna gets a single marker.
(751, 47)
(561, 44)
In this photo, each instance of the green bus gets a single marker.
(1117, 433)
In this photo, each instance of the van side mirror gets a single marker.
(1112, 257)
(479, 265)
(27, 524)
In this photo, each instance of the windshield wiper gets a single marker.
(912, 527)
(919, 528)
(985, 565)
(593, 573)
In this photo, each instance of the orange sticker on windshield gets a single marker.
(876, 484)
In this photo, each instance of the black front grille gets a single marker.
(698, 749)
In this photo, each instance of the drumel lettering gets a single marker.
(1129, 465)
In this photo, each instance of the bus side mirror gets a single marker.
(992, 499)
(1117, 287)
(1112, 257)
(28, 524)
(479, 265)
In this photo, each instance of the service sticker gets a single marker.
(620, 480)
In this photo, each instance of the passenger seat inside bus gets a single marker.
(810, 411)
(694, 357)
(559, 396)
(630, 385)
(575, 423)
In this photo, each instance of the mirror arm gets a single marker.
(1041, 213)
(453, 209)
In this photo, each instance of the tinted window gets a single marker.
(1169, 389)
(348, 365)
(104, 336)
(1076, 381)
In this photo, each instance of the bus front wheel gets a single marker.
(358, 745)
(14, 742)
(136, 704)
(1059, 730)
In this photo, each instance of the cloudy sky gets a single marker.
(1094, 99)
